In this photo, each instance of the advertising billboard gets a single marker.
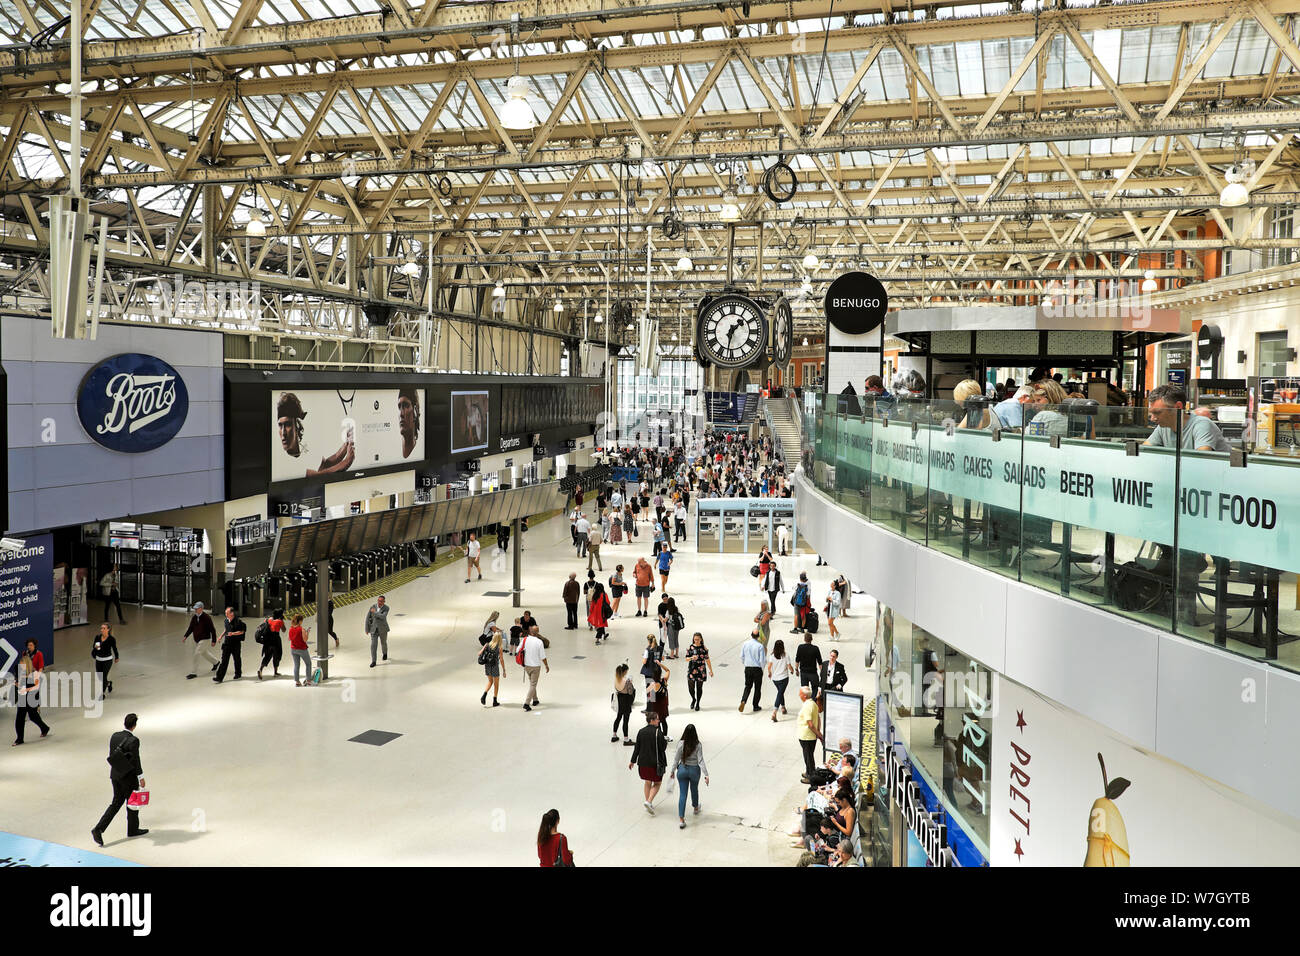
(1074, 793)
(469, 421)
(322, 432)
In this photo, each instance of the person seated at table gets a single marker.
(1010, 413)
(1043, 420)
(1165, 406)
(964, 391)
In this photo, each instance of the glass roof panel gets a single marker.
(997, 63)
(970, 67)
(1077, 71)
(1220, 63)
(943, 68)
(1254, 50)
(1164, 50)
(1020, 46)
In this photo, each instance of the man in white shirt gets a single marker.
(616, 500)
(582, 527)
(472, 550)
(679, 521)
(782, 539)
(534, 650)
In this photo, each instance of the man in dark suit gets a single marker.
(230, 646)
(832, 675)
(126, 775)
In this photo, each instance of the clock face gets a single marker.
(732, 332)
(782, 332)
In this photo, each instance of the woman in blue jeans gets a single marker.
(688, 766)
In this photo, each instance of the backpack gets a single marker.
(678, 621)
(800, 596)
(263, 631)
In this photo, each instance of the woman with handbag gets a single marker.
(272, 648)
(599, 611)
(104, 652)
(833, 606)
(673, 623)
(27, 682)
(552, 845)
(624, 697)
(699, 668)
(657, 697)
(617, 588)
(493, 659)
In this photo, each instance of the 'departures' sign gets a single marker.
(856, 303)
(132, 403)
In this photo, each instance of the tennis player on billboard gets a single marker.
(376, 428)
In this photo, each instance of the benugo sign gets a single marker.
(1069, 792)
(1250, 514)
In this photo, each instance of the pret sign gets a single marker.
(132, 403)
(856, 303)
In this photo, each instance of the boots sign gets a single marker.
(132, 403)
(856, 303)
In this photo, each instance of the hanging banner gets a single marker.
(27, 599)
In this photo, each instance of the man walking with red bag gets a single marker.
(127, 776)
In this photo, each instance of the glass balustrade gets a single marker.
(1071, 499)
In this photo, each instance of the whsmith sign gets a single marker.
(132, 403)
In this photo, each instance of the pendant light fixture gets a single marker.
(811, 262)
(517, 112)
(1235, 192)
(730, 211)
(499, 290)
(1149, 283)
(684, 264)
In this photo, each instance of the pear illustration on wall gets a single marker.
(1107, 838)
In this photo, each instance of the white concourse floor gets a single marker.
(253, 773)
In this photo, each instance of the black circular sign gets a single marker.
(856, 303)
(1209, 341)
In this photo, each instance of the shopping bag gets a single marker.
(138, 799)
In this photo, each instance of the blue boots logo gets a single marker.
(132, 403)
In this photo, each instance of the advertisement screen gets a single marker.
(469, 421)
(322, 432)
